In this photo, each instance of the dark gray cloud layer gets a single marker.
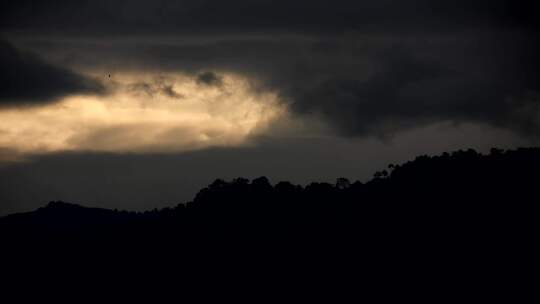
(367, 67)
(26, 79)
(411, 84)
(120, 17)
(361, 84)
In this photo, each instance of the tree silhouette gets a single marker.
(444, 214)
(342, 183)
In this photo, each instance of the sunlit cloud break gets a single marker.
(145, 113)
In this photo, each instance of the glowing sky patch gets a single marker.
(144, 113)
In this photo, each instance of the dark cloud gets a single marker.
(169, 91)
(26, 79)
(142, 87)
(367, 67)
(413, 85)
(157, 86)
(362, 84)
(209, 78)
(120, 17)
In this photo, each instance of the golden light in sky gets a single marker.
(144, 113)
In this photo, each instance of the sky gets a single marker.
(139, 104)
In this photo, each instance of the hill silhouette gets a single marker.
(460, 216)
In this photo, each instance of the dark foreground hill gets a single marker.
(459, 221)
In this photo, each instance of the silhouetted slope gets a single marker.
(457, 216)
(463, 185)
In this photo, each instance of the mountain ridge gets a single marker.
(433, 223)
(527, 159)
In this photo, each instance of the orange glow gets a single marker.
(150, 113)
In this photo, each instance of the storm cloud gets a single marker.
(366, 67)
(26, 79)
(195, 16)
